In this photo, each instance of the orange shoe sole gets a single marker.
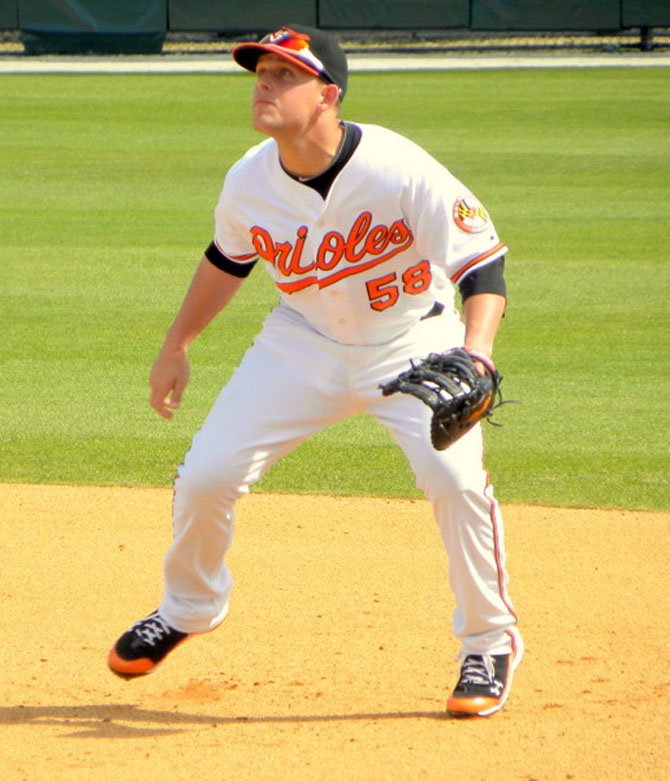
(473, 706)
(133, 668)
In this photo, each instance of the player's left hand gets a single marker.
(453, 385)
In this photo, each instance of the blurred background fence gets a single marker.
(37, 27)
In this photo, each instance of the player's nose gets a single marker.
(263, 82)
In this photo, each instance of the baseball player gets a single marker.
(367, 239)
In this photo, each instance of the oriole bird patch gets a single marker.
(470, 216)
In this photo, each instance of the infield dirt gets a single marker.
(337, 657)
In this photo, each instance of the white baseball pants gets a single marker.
(291, 383)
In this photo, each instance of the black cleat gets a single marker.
(143, 647)
(484, 684)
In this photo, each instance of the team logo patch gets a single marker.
(470, 216)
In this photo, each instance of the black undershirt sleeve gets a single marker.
(223, 262)
(487, 279)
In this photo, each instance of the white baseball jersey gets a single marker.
(396, 231)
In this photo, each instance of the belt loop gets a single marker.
(435, 311)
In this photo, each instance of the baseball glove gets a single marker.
(451, 386)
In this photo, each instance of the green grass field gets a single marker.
(107, 187)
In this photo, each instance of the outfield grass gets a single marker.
(107, 185)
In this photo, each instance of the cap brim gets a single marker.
(247, 54)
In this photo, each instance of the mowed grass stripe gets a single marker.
(107, 187)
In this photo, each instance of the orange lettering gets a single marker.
(282, 259)
(378, 240)
(296, 257)
(331, 245)
(263, 243)
(356, 236)
(400, 232)
(363, 241)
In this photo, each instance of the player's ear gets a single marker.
(330, 95)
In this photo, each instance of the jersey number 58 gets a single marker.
(384, 291)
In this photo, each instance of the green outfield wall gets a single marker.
(133, 26)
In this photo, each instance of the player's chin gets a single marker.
(263, 123)
(264, 116)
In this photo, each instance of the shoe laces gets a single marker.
(478, 670)
(152, 629)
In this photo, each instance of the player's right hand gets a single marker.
(168, 378)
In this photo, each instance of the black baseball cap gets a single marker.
(315, 51)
